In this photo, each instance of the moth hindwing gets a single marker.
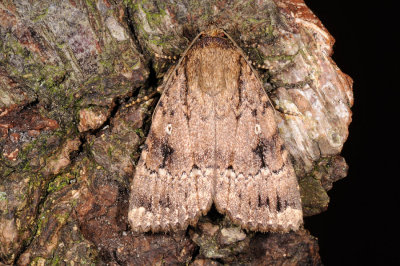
(214, 140)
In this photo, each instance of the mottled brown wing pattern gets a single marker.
(213, 139)
(172, 186)
(256, 184)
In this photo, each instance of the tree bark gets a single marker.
(69, 142)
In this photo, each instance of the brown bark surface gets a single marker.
(69, 144)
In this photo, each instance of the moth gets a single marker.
(214, 140)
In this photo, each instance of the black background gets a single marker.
(361, 225)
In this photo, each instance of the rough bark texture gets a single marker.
(69, 145)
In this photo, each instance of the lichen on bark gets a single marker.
(69, 143)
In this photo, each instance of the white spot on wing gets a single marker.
(168, 129)
(257, 129)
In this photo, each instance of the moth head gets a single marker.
(214, 32)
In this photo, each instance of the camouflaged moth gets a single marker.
(214, 140)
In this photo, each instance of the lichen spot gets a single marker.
(257, 129)
(168, 129)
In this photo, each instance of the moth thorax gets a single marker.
(212, 78)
